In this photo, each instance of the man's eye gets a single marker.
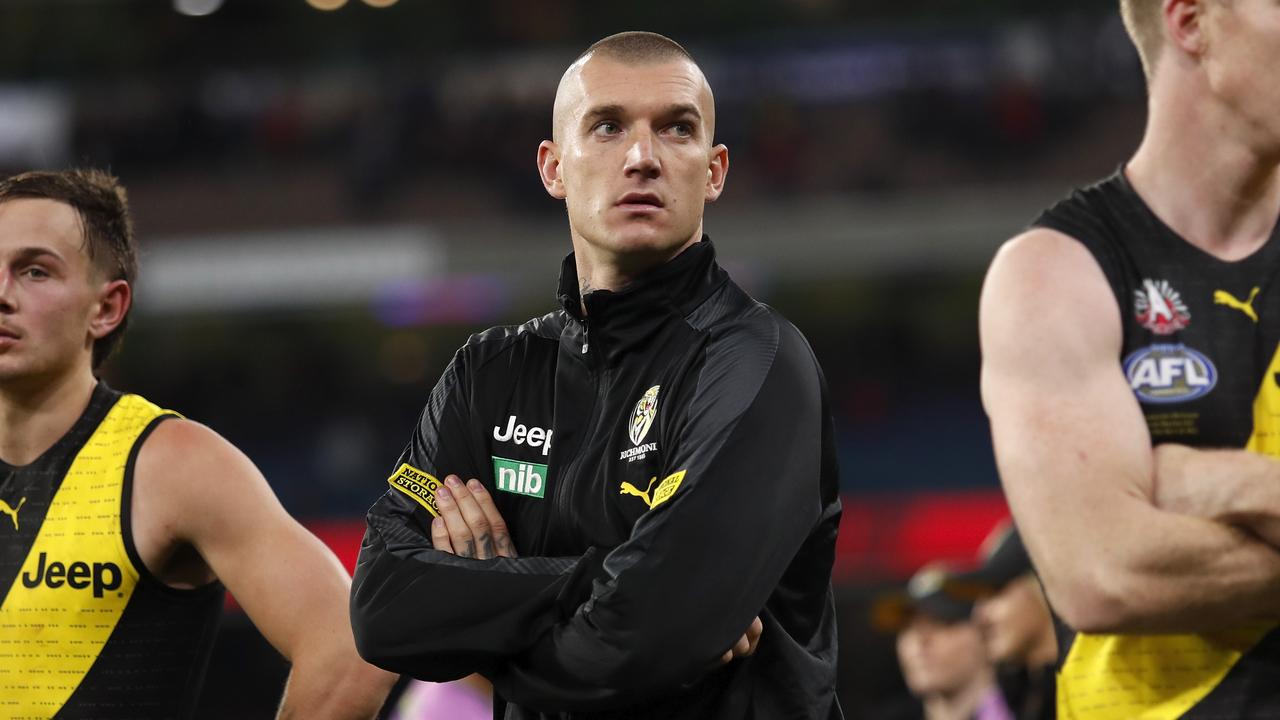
(36, 273)
(682, 129)
(608, 127)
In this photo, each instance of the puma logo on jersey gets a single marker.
(628, 489)
(11, 511)
(1222, 297)
(661, 494)
(77, 575)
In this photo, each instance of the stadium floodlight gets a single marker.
(380, 3)
(197, 8)
(326, 5)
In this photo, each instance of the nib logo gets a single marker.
(520, 478)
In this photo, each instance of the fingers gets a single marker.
(502, 544)
(468, 527)
(739, 649)
(440, 536)
(747, 644)
(754, 631)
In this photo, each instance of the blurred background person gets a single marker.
(1013, 617)
(470, 698)
(941, 652)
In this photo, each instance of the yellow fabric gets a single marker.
(50, 634)
(1266, 413)
(1154, 677)
(1147, 677)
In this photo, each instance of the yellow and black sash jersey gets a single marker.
(1201, 342)
(85, 630)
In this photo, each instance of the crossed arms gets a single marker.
(614, 626)
(1126, 538)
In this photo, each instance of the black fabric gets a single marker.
(617, 609)
(154, 664)
(1250, 689)
(1030, 693)
(1139, 254)
(1133, 246)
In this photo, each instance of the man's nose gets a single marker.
(7, 302)
(641, 157)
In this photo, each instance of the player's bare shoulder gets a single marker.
(1045, 290)
(1041, 257)
(188, 481)
(184, 456)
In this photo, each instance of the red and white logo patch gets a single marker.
(1159, 307)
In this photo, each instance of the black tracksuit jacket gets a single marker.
(667, 468)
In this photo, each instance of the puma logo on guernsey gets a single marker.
(77, 576)
(11, 511)
(1222, 297)
(663, 493)
(629, 489)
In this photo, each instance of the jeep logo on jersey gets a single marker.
(1169, 374)
(77, 576)
(521, 435)
(642, 416)
(520, 478)
(1159, 308)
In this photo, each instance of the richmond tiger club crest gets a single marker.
(1159, 308)
(641, 420)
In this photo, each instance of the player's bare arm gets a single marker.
(1237, 487)
(202, 510)
(1077, 465)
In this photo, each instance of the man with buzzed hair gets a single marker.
(1131, 370)
(596, 504)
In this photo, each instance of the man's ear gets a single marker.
(549, 169)
(1184, 25)
(114, 300)
(717, 171)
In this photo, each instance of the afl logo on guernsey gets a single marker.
(1169, 374)
(1159, 308)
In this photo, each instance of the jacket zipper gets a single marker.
(564, 504)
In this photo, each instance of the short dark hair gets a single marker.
(637, 46)
(1142, 18)
(100, 202)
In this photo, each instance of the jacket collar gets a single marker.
(619, 319)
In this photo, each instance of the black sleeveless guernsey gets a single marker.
(86, 632)
(1201, 341)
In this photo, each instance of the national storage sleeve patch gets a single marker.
(418, 485)
(667, 488)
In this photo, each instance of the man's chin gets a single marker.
(647, 241)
